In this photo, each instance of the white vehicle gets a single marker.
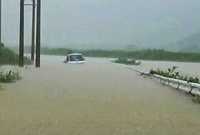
(75, 58)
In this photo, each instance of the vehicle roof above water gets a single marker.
(71, 54)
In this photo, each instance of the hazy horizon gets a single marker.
(106, 23)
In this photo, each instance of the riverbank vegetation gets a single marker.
(9, 57)
(148, 54)
(10, 75)
(172, 73)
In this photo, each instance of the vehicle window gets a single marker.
(76, 58)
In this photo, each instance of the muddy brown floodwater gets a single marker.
(96, 98)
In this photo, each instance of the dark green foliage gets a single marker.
(7, 56)
(1, 45)
(193, 79)
(149, 54)
(172, 73)
(127, 61)
(145, 54)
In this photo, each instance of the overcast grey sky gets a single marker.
(106, 23)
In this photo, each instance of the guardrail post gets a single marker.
(191, 88)
(178, 86)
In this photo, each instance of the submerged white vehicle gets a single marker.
(75, 58)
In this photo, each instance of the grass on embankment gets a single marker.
(172, 73)
(148, 54)
(9, 57)
(9, 74)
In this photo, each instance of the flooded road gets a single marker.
(96, 98)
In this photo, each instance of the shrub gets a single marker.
(172, 73)
(7, 56)
(127, 61)
(1, 45)
(9, 75)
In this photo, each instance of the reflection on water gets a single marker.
(96, 98)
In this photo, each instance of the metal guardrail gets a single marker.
(192, 88)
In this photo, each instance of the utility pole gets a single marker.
(21, 35)
(38, 34)
(33, 31)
